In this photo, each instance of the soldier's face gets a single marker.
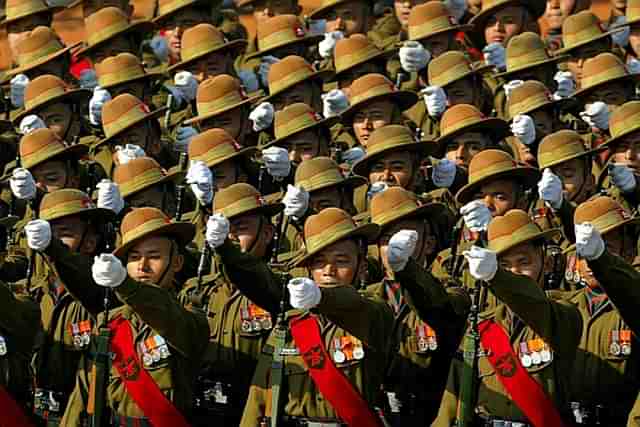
(557, 11)
(371, 117)
(461, 92)
(57, 67)
(425, 245)
(544, 121)
(395, 169)
(76, 234)
(634, 40)
(252, 233)
(402, 9)
(230, 121)
(462, 148)
(157, 196)
(135, 88)
(504, 24)
(576, 179)
(263, 9)
(92, 6)
(52, 175)
(336, 265)
(621, 242)
(350, 18)
(355, 73)
(212, 65)
(526, 259)
(225, 174)
(579, 55)
(499, 196)
(325, 198)
(151, 261)
(612, 94)
(57, 117)
(302, 92)
(305, 146)
(175, 25)
(627, 152)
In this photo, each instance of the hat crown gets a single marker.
(633, 10)
(122, 62)
(389, 136)
(487, 160)
(319, 171)
(139, 217)
(564, 144)
(120, 106)
(133, 169)
(106, 18)
(602, 212)
(41, 85)
(38, 39)
(212, 140)
(353, 50)
(448, 67)
(390, 200)
(580, 27)
(368, 86)
(66, 201)
(600, 69)
(15, 9)
(527, 97)
(624, 117)
(507, 224)
(201, 33)
(327, 219)
(294, 118)
(237, 199)
(283, 69)
(458, 116)
(39, 139)
(218, 87)
(279, 30)
(525, 49)
(428, 18)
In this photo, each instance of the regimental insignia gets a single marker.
(314, 358)
(130, 368)
(506, 365)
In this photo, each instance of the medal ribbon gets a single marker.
(395, 296)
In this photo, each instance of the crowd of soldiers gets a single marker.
(377, 213)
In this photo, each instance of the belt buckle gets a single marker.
(320, 424)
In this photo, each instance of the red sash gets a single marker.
(12, 414)
(138, 382)
(332, 383)
(525, 392)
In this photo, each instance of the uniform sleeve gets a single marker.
(620, 281)
(19, 316)
(187, 331)
(558, 323)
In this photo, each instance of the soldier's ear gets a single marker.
(268, 231)
(177, 263)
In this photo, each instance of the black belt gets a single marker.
(123, 421)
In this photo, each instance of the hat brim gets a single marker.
(234, 45)
(150, 75)
(614, 140)
(401, 98)
(79, 96)
(497, 129)
(48, 10)
(100, 215)
(424, 148)
(152, 115)
(566, 50)
(245, 153)
(631, 221)
(433, 210)
(319, 75)
(552, 60)
(529, 175)
(586, 91)
(562, 104)
(380, 56)
(174, 174)
(546, 235)
(586, 153)
(370, 232)
(30, 66)
(474, 71)
(72, 151)
(536, 7)
(351, 183)
(183, 232)
(311, 39)
(140, 27)
(327, 123)
(158, 19)
(202, 117)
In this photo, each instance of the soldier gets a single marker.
(633, 51)
(124, 73)
(516, 362)
(239, 328)
(156, 351)
(427, 328)
(556, 13)
(335, 259)
(22, 16)
(346, 16)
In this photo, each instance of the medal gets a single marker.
(338, 355)
(536, 358)
(614, 346)
(246, 326)
(147, 360)
(155, 355)
(433, 344)
(164, 352)
(266, 323)
(625, 342)
(545, 354)
(3, 346)
(77, 341)
(256, 325)
(86, 338)
(358, 352)
(625, 349)
(423, 345)
(525, 359)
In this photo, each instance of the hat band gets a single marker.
(202, 48)
(146, 227)
(97, 36)
(452, 73)
(395, 212)
(465, 122)
(44, 96)
(217, 153)
(584, 35)
(52, 47)
(141, 180)
(610, 219)
(385, 88)
(124, 121)
(121, 75)
(623, 126)
(389, 143)
(240, 206)
(322, 179)
(426, 29)
(565, 151)
(602, 77)
(46, 152)
(278, 38)
(71, 207)
(515, 237)
(22, 10)
(526, 59)
(493, 169)
(174, 5)
(296, 124)
(348, 60)
(221, 103)
(290, 79)
(633, 12)
(335, 233)
(529, 104)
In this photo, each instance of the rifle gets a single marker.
(180, 188)
(280, 333)
(167, 114)
(102, 363)
(553, 279)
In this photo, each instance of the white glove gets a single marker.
(31, 123)
(633, 65)
(334, 103)
(296, 202)
(376, 188)
(184, 135)
(622, 177)
(596, 115)
(456, 7)
(88, 79)
(217, 230)
(109, 196)
(401, 247)
(483, 263)
(200, 179)
(566, 85)
(128, 152)
(476, 215)
(263, 70)
(97, 101)
(249, 80)
(22, 184)
(589, 242)
(276, 159)
(443, 173)
(107, 271)
(328, 44)
(435, 100)
(495, 55)
(186, 84)
(304, 294)
(38, 233)
(510, 86)
(620, 38)
(524, 128)
(550, 189)
(18, 85)
(160, 48)
(353, 155)
(413, 56)
(262, 116)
